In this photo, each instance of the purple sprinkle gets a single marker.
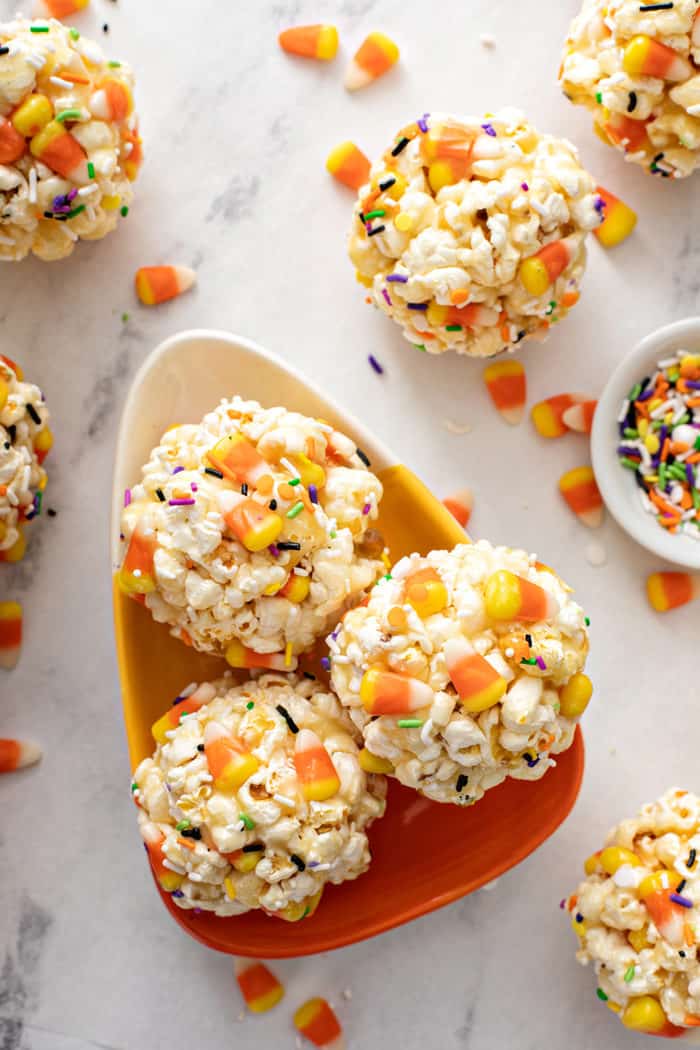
(399, 278)
(197, 911)
(646, 394)
(181, 502)
(72, 195)
(541, 664)
(336, 632)
(422, 124)
(599, 205)
(386, 296)
(690, 475)
(178, 470)
(193, 486)
(367, 508)
(627, 450)
(490, 130)
(274, 551)
(683, 901)
(313, 494)
(122, 536)
(127, 497)
(531, 761)
(562, 903)
(524, 186)
(693, 384)
(663, 434)
(375, 364)
(177, 893)
(417, 306)
(313, 864)
(325, 663)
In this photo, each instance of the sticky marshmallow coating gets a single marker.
(433, 258)
(327, 838)
(615, 927)
(593, 74)
(208, 586)
(454, 755)
(22, 477)
(44, 210)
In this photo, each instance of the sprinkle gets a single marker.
(127, 497)
(629, 975)
(60, 82)
(386, 184)
(632, 104)
(124, 211)
(288, 655)
(161, 495)
(288, 545)
(272, 504)
(250, 705)
(409, 723)
(229, 887)
(668, 6)
(541, 664)
(398, 278)
(295, 859)
(69, 114)
(376, 230)
(4, 50)
(378, 213)
(375, 364)
(113, 64)
(524, 186)
(325, 663)
(532, 660)
(292, 484)
(181, 825)
(386, 297)
(363, 456)
(691, 859)
(422, 123)
(75, 211)
(490, 130)
(247, 822)
(214, 473)
(296, 510)
(417, 306)
(462, 781)
(599, 97)
(283, 801)
(532, 762)
(681, 886)
(684, 902)
(293, 727)
(253, 847)
(34, 415)
(38, 29)
(398, 148)
(91, 169)
(579, 917)
(313, 493)
(601, 995)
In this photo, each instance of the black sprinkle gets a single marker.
(307, 674)
(105, 28)
(51, 512)
(12, 432)
(482, 214)
(400, 147)
(462, 781)
(363, 456)
(293, 727)
(244, 489)
(386, 184)
(191, 833)
(682, 954)
(273, 505)
(214, 473)
(579, 917)
(691, 859)
(34, 415)
(521, 335)
(530, 760)
(377, 229)
(528, 639)
(298, 861)
(200, 747)
(681, 886)
(161, 495)
(632, 104)
(658, 157)
(361, 217)
(288, 545)
(253, 847)
(4, 50)
(667, 6)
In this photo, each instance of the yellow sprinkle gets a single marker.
(230, 888)
(387, 561)
(288, 654)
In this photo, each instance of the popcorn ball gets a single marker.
(637, 68)
(255, 797)
(25, 441)
(69, 140)
(464, 668)
(250, 532)
(637, 920)
(470, 233)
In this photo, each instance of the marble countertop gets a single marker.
(236, 136)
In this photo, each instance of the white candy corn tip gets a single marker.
(185, 278)
(356, 77)
(513, 415)
(336, 1044)
(593, 518)
(99, 105)
(456, 649)
(306, 740)
(213, 731)
(575, 419)
(29, 754)
(228, 499)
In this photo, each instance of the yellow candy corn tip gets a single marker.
(327, 46)
(618, 224)
(486, 698)
(433, 601)
(10, 611)
(131, 584)
(238, 771)
(441, 174)
(502, 595)
(44, 440)
(502, 369)
(373, 763)
(160, 728)
(246, 862)
(534, 277)
(144, 290)
(636, 54)
(656, 593)
(320, 790)
(644, 1014)
(545, 421)
(387, 45)
(613, 857)
(338, 155)
(170, 881)
(578, 476)
(307, 1013)
(265, 1002)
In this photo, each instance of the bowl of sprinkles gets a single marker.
(645, 443)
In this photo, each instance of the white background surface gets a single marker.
(236, 136)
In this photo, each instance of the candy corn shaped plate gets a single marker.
(425, 855)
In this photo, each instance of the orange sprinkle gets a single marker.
(286, 491)
(686, 500)
(264, 484)
(665, 450)
(74, 78)
(186, 843)
(695, 458)
(569, 299)
(693, 402)
(679, 446)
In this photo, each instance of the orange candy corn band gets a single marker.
(314, 767)
(507, 387)
(460, 506)
(317, 1022)
(16, 754)
(314, 41)
(259, 987)
(669, 590)
(349, 165)
(158, 284)
(374, 57)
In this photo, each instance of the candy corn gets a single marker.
(618, 220)
(646, 57)
(669, 590)
(575, 696)
(157, 284)
(316, 41)
(253, 523)
(238, 655)
(579, 489)
(373, 763)
(511, 597)
(182, 707)
(132, 162)
(646, 1014)
(12, 364)
(10, 634)
(348, 164)
(229, 761)
(374, 57)
(259, 986)
(59, 8)
(447, 149)
(426, 592)
(297, 910)
(112, 100)
(478, 684)
(540, 271)
(238, 459)
(137, 573)
(296, 589)
(16, 754)
(32, 115)
(317, 1022)
(624, 131)
(548, 415)
(12, 144)
(55, 147)
(460, 506)
(153, 837)
(657, 891)
(315, 770)
(506, 384)
(580, 417)
(472, 315)
(387, 693)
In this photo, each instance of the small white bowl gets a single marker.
(617, 485)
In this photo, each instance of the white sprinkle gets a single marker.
(426, 728)
(694, 111)
(32, 185)
(38, 61)
(347, 994)
(128, 147)
(194, 876)
(457, 428)
(174, 867)
(85, 191)
(596, 554)
(290, 467)
(284, 801)
(325, 428)
(509, 653)
(323, 867)
(668, 361)
(60, 82)
(487, 40)
(623, 411)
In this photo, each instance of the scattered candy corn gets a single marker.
(507, 387)
(478, 684)
(238, 655)
(374, 57)
(387, 693)
(16, 754)
(540, 271)
(59, 8)
(259, 986)
(511, 597)
(657, 891)
(316, 41)
(579, 489)
(669, 590)
(229, 761)
(460, 506)
(618, 220)
(548, 415)
(315, 770)
(10, 634)
(348, 164)
(317, 1022)
(157, 284)
(646, 57)
(580, 417)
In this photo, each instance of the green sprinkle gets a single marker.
(631, 464)
(550, 308)
(307, 911)
(662, 475)
(125, 318)
(599, 97)
(657, 424)
(124, 211)
(696, 446)
(134, 786)
(37, 501)
(630, 432)
(634, 392)
(74, 34)
(377, 214)
(38, 29)
(68, 114)
(91, 169)
(601, 995)
(629, 976)
(250, 705)
(114, 65)
(76, 211)
(420, 346)
(587, 621)
(453, 328)
(333, 534)
(247, 821)
(532, 660)
(295, 481)
(388, 576)
(182, 825)
(673, 375)
(410, 723)
(296, 510)
(696, 498)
